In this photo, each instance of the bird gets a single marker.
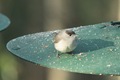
(65, 41)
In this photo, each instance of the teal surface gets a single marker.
(98, 50)
(4, 22)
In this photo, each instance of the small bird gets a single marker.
(65, 41)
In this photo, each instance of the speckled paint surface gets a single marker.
(4, 22)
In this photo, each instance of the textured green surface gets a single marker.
(4, 22)
(98, 51)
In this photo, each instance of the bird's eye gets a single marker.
(69, 34)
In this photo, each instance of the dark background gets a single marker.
(31, 16)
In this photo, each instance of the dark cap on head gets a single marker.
(70, 32)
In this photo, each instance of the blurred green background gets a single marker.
(31, 16)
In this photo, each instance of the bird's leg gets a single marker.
(58, 54)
